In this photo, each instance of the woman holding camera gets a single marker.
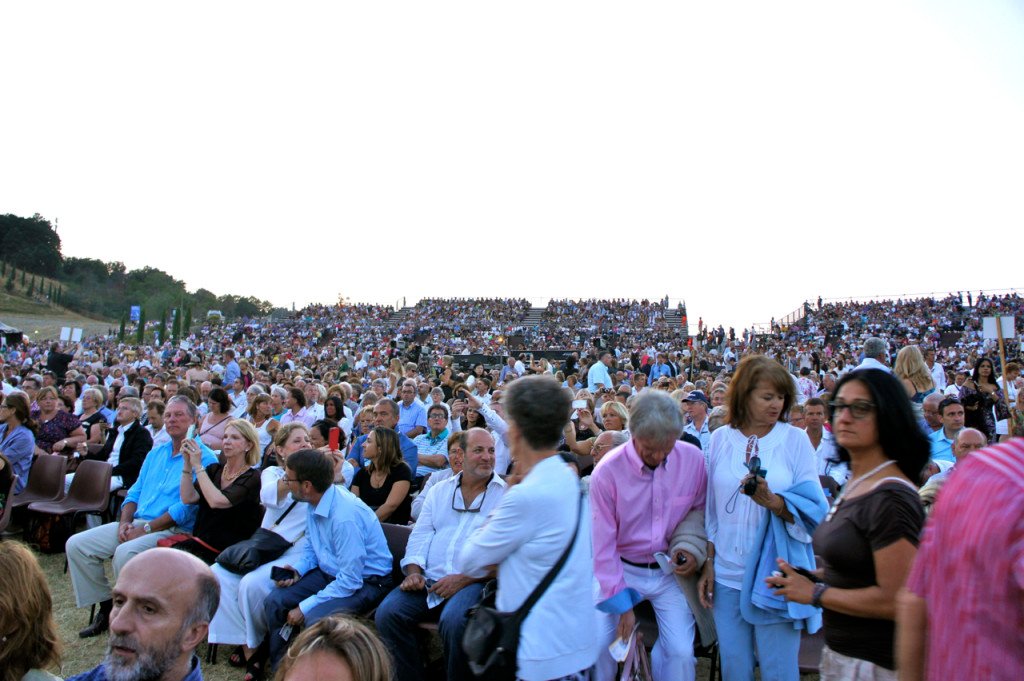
(869, 539)
(753, 518)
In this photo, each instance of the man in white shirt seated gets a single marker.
(432, 589)
(125, 447)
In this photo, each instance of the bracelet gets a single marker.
(819, 589)
(188, 473)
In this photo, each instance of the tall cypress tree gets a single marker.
(140, 332)
(186, 326)
(163, 325)
(120, 331)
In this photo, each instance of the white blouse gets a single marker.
(731, 518)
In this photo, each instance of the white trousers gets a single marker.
(672, 657)
(240, 618)
(88, 550)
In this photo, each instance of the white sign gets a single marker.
(65, 333)
(76, 336)
(988, 328)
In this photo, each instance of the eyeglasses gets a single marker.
(291, 480)
(471, 509)
(6, 406)
(860, 409)
(437, 416)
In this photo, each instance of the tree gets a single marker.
(140, 332)
(120, 331)
(30, 243)
(10, 281)
(23, 278)
(176, 328)
(32, 286)
(163, 325)
(187, 324)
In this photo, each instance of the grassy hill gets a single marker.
(40, 319)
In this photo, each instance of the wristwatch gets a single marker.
(147, 528)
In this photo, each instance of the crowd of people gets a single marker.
(754, 489)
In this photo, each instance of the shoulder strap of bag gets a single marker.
(287, 511)
(532, 599)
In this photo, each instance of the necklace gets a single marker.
(224, 477)
(852, 486)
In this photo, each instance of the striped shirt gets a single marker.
(970, 569)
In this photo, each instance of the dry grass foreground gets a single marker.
(82, 655)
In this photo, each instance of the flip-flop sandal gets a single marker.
(237, 657)
(254, 670)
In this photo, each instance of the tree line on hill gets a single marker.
(31, 248)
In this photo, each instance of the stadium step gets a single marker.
(398, 317)
(534, 316)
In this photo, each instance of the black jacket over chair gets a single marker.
(137, 443)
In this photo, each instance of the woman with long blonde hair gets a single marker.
(915, 376)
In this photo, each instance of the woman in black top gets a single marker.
(869, 539)
(384, 482)
(228, 494)
(981, 394)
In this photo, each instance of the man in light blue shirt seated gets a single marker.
(952, 414)
(412, 416)
(432, 446)
(151, 511)
(385, 415)
(346, 566)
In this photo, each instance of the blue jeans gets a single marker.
(396, 623)
(280, 601)
(777, 646)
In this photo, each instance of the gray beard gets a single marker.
(150, 663)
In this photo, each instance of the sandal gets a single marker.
(253, 670)
(237, 657)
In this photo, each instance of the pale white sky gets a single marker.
(743, 156)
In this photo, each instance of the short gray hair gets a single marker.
(133, 403)
(873, 347)
(204, 607)
(617, 438)
(656, 416)
(187, 402)
(280, 392)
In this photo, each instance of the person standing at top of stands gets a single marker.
(57, 361)
(598, 375)
(876, 355)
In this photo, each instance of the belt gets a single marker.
(648, 566)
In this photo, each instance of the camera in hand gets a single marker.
(754, 466)
(280, 574)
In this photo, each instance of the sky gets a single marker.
(740, 156)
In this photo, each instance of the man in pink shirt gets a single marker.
(640, 493)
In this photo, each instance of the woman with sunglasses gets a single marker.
(869, 538)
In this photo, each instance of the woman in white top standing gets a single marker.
(527, 533)
(759, 397)
(240, 619)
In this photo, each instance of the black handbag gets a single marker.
(491, 637)
(264, 546)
